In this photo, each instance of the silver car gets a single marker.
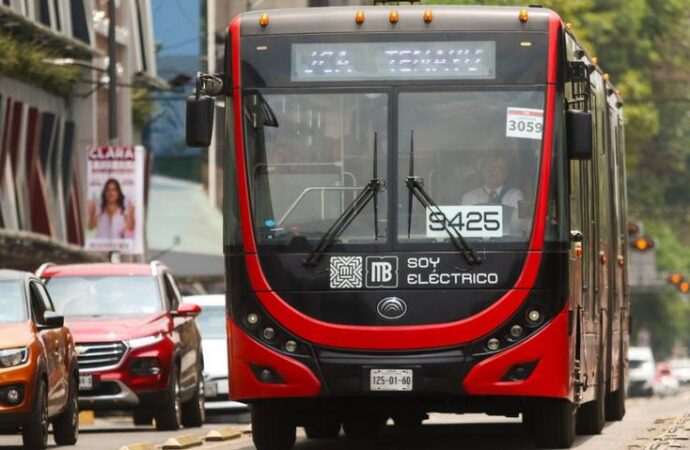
(642, 371)
(214, 344)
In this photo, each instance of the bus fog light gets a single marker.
(533, 316)
(516, 331)
(268, 333)
(266, 375)
(252, 319)
(291, 346)
(493, 344)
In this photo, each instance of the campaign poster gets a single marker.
(115, 205)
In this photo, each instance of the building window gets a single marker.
(44, 12)
(58, 17)
(80, 27)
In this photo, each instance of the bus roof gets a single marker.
(410, 19)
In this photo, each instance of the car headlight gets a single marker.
(13, 356)
(144, 341)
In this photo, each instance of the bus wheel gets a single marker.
(591, 415)
(615, 405)
(272, 428)
(551, 422)
(364, 426)
(326, 428)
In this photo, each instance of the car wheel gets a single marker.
(169, 416)
(272, 428)
(35, 431)
(194, 410)
(66, 425)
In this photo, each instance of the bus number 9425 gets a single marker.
(482, 221)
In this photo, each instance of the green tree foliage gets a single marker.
(645, 46)
(23, 60)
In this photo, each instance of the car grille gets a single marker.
(96, 356)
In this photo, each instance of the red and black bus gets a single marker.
(424, 211)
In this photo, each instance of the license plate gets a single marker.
(390, 379)
(85, 382)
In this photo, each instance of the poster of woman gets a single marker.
(114, 213)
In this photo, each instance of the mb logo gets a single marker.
(382, 272)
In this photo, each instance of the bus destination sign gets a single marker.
(393, 60)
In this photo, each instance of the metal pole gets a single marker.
(112, 75)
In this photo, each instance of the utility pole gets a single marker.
(112, 75)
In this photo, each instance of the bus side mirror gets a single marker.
(579, 132)
(199, 126)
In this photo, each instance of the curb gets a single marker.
(184, 441)
(140, 446)
(223, 434)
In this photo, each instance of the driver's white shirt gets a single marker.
(483, 195)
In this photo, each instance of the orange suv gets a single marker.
(39, 375)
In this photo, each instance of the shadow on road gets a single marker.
(489, 436)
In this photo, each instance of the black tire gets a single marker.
(66, 425)
(272, 428)
(615, 405)
(142, 418)
(364, 426)
(591, 416)
(194, 410)
(327, 428)
(35, 431)
(169, 417)
(551, 422)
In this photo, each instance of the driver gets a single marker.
(493, 170)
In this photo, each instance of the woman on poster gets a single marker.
(115, 218)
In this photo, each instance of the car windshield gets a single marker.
(211, 322)
(104, 295)
(12, 306)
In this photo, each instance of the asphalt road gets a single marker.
(440, 432)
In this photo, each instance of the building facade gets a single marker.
(53, 106)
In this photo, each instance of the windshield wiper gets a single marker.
(415, 185)
(343, 221)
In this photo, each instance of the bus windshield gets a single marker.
(475, 150)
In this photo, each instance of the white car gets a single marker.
(641, 371)
(214, 344)
(681, 369)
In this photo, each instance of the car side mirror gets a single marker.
(187, 310)
(579, 131)
(52, 320)
(199, 120)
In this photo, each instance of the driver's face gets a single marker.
(494, 172)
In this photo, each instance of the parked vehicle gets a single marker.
(38, 364)
(214, 345)
(641, 371)
(139, 348)
(665, 381)
(681, 369)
